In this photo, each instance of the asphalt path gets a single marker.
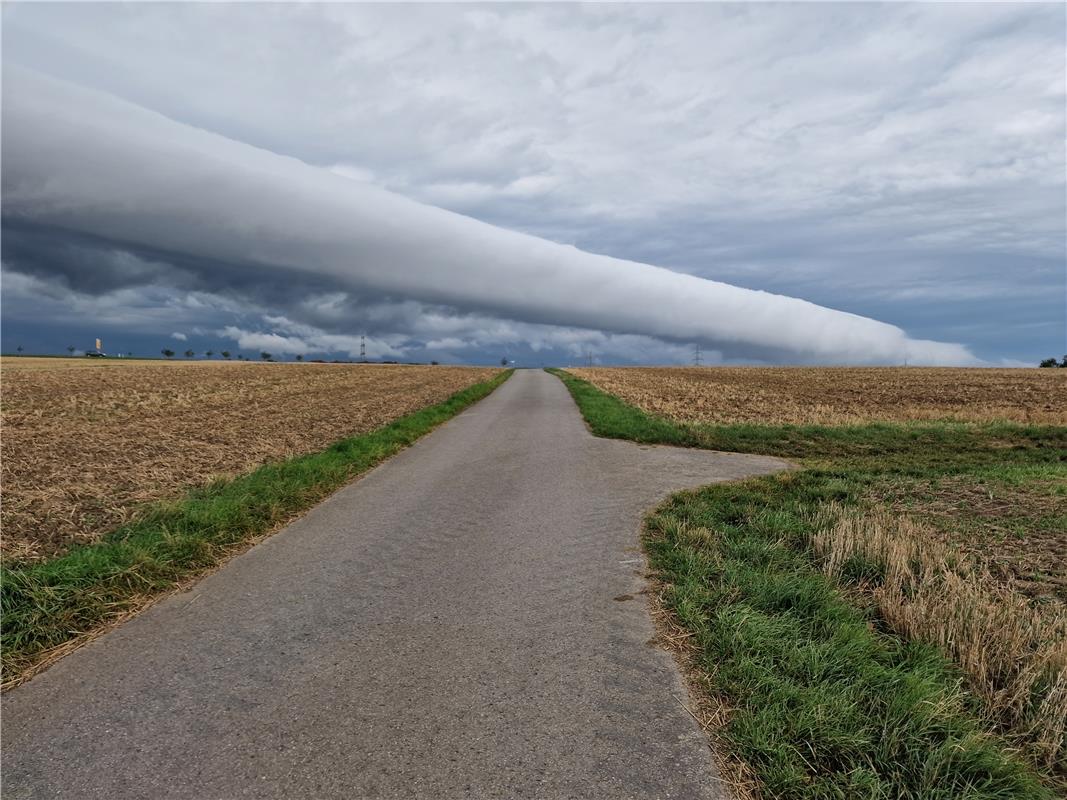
(453, 624)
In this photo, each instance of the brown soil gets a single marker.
(838, 395)
(1016, 532)
(85, 443)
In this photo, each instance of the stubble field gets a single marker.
(838, 395)
(86, 443)
(933, 502)
(1011, 519)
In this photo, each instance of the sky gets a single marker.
(798, 183)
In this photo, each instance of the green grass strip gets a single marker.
(918, 446)
(826, 702)
(46, 604)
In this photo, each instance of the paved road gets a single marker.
(445, 627)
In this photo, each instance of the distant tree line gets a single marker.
(166, 352)
(1053, 363)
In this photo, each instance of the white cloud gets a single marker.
(451, 343)
(353, 172)
(829, 151)
(181, 337)
(83, 161)
(269, 342)
(294, 338)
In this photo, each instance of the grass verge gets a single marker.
(829, 695)
(46, 605)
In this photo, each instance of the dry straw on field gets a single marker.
(838, 396)
(934, 582)
(85, 443)
(1012, 529)
(1013, 652)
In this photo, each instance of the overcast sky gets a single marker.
(458, 182)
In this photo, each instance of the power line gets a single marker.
(697, 359)
(363, 347)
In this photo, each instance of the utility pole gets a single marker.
(363, 347)
(589, 357)
(697, 360)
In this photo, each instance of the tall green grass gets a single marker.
(47, 604)
(827, 702)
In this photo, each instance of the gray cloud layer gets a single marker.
(902, 161)
(81, 161)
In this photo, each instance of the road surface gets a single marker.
(448, 626)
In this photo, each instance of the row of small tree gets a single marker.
(188, 353)
(1051, 362)
(224, 353)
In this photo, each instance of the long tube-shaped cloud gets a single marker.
(89, 162)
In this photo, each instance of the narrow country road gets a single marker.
(446, 627)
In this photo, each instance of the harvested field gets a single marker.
(1014, 651)
(1012, 523)
(85, 443)
(1014, 529)
(838, 396)
(933, 526)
